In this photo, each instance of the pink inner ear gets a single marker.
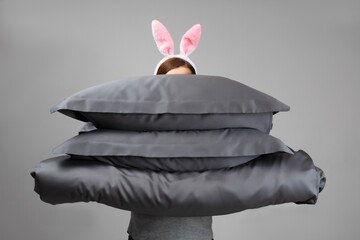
(162, 38)
(190, 40)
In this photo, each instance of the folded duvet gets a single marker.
(269, 179)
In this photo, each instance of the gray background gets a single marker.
(305, 53)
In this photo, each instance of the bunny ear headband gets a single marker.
(165, 43)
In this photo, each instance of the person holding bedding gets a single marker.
(150, 227)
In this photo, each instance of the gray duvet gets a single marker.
(267, 180)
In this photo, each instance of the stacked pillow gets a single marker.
(173, 102)
(176, 145)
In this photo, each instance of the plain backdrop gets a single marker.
(304, 53)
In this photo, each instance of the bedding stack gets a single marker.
(176, 145)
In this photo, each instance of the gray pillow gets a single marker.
(172, 102)
(190, 150)
(270, 179)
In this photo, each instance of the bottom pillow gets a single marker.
(175, 151)
(270, 179)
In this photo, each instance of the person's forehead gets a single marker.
(180, 70)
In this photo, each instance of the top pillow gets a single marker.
(172, 102)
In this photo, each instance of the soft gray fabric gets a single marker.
(150, 227)
(189, 143)
(176, 121)
(87, 127)
(173, 164)
(269, 179)
(175, 151)
(172, 102)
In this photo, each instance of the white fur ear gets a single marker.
(190, 40)
(162, 37)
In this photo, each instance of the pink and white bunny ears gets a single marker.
(165, 43)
